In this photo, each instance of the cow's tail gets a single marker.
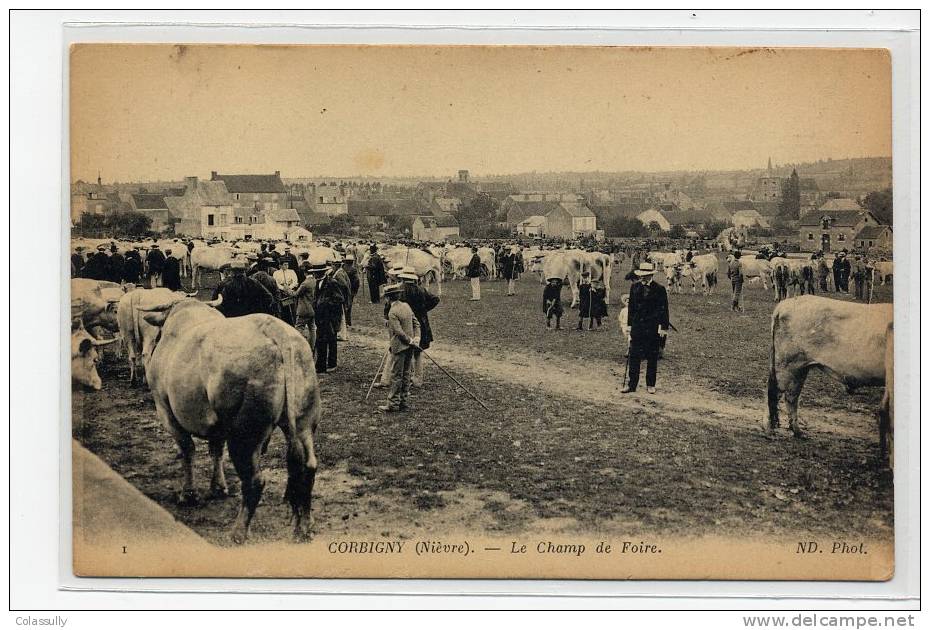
(301, 413)
(771, 419)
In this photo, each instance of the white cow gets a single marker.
(212, 258)
(567, 265)
(757, 269)
(704, 270)
(883, 270)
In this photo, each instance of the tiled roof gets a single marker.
(282, 215)
(840, 218)
(872, 232)
(252, 183)
(149, 201)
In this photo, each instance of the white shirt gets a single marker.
(286, 279)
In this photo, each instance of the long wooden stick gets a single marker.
(446, 372)
(377, 372)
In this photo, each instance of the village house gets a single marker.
(331, 199)
(570, 221)
(832, 230)
(253, 195)
(204, 209)
(532, 226)
(435, 228)
(875, 238)
(154, 207)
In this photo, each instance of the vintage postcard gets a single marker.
(481, 312)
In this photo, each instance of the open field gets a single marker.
(561, 451)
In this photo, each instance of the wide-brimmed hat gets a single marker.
(645, 269)
(392, 289)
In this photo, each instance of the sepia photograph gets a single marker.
(419, 311)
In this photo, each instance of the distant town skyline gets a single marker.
(162, 112)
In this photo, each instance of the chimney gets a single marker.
(191, 183)
(212, 176)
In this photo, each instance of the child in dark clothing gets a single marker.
(598, 303)
(552, 302)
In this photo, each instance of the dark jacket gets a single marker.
(132, 269)
(474, 267)
(421, 303)
(244, 296)
(552, 300)
(156, 261)
(171, 274)
(647, 311)
(376, 273)
(327, 308)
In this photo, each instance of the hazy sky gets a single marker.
(141, 112)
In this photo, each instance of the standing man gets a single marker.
(845, 270)
(116, 264)
(355, 283)
(823, 272)
(171, 272)
(648, 319)
(156, 264)
(341, 278)
(306, 297)
(735, 274)
(286, 282)
(510, 268)
(405, 337)
(243, 295)
(474, 274)
(421, 302)
(376, 275)
(77, 261)
(858, 276)
(327, 313)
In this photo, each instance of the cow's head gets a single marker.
(84, 358)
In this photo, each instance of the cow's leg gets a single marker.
(244, 451)
(792, 381)
(187, 495)
(218, 487)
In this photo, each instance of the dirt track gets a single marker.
(561, 451)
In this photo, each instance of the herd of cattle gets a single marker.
(199, 365)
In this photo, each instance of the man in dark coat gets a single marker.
(421, 302)
(376, 275)
(77, 262)
(473, 272)
(327, 313)
(156, 264)
(116, 264)
(511, 267)
(648, 319)
(845, 271)
(243, 295)
(97, 266)
(263, 277)
(171, 272)
(355, 282)
(132, 266)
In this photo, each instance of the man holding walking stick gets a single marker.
(405, 339)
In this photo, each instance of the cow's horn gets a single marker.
(216, 302)
(104, 342)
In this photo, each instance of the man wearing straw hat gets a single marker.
(648, 319)
(405, 339)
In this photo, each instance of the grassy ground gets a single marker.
(539, 459)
